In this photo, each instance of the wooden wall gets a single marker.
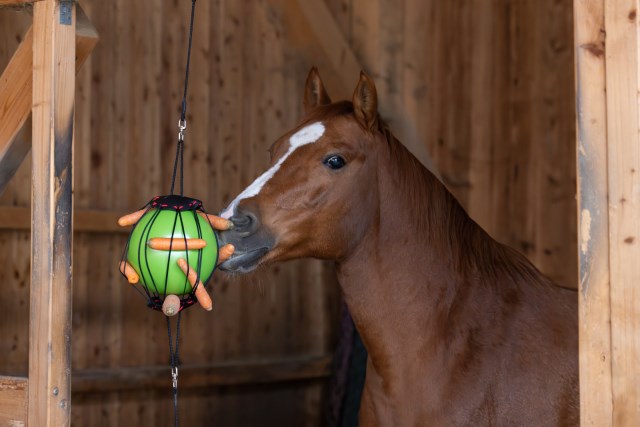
(488, 85)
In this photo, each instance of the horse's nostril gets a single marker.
(241, 221)
(244, 221)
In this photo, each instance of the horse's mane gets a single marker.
(447, 227)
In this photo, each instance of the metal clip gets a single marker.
(66, 12)
(174, 377)
(182, 126)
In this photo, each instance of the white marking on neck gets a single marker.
(307, 135)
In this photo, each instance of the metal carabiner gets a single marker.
(182, 126)
(174, 376)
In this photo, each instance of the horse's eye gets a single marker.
(334, 162)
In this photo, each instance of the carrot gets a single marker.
(131, 219)
(217, 222)
(179, 244)
(129, 272)
(225, 252)
(171, 305)
(201, 293)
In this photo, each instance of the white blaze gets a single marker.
(307, 135)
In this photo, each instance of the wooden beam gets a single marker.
(16, 86)
(54, 61)
(13, 401)
(312, 25)
(14, 3)
(207, 375)
(623, 158)
(596, 396)
(84, 220)
(13, 390)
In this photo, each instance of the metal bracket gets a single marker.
(66, 15)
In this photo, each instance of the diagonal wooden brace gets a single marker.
(16, 85)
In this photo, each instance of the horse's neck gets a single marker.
(401, 281)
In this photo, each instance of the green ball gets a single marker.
(152, 265)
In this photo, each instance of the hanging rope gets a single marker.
(179, 162)
(173, 351)
(182, 123)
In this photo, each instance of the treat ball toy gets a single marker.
(172, 250)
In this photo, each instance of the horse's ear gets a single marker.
(314, 93)
(365, 102)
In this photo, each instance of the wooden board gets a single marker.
(206, 375)
(13, 401)
(623, 166)
(52, 203)
(16, 3)
(593, 216)
(16, 86)
(92, 221)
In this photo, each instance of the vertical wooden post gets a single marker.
(608, 103)
(623, 154)
(53, 112)
(593, 215)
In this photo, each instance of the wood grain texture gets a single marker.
(16, 2)
(205, 375)
(92, 221)
(623, 158)
(593, 215)
(52, 204)
(16, 86)
(13, 401)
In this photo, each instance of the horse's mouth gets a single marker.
(244, 262)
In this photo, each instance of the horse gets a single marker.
(459, 329)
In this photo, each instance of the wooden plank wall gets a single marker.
(488, 84)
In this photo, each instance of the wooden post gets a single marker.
(16, 87)
(53, 111)
(607, 83)
(623, 154)
(593, 217)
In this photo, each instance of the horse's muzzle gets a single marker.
(251, 240)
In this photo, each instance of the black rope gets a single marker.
(174, 365)
(179, 162)
(186, 77)
(179, 151)
(182, 125)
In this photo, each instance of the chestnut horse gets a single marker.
(460, 329)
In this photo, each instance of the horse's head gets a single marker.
(319, 195)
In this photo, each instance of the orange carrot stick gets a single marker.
(131, 219)
(171, 305)
(217, 222)
(201, 293)
(225, 252)
(179, 244)
(129, 272)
